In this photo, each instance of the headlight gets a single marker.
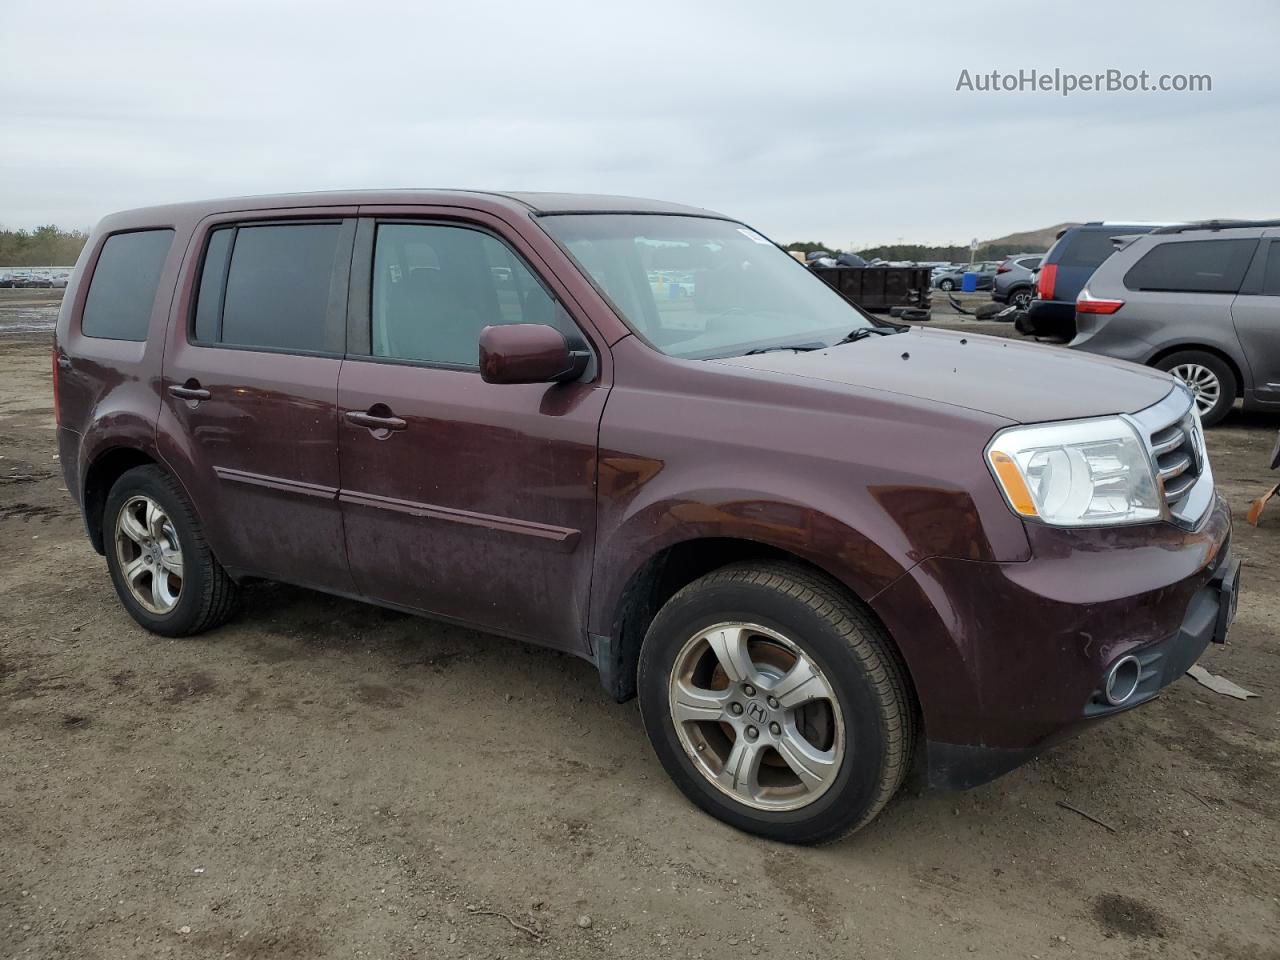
(1079, 474)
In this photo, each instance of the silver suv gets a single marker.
(1200, 300)
(1015, 280)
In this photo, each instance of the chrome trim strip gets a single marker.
(282, 484)
(1173, 443)
(564, 538)
(1168, 412)
(1175, 469)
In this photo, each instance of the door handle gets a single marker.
(375, 422)
(189, 393)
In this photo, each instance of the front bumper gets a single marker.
(1009, 658)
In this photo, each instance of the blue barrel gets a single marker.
(969, 283)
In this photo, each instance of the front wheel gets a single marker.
(1210, 379)
(947, 285)
(776, 702)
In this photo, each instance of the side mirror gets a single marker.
(529, 353)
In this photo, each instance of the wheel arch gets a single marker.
(105, 467)
(669, 569)
(1200, 347)
(100, 476)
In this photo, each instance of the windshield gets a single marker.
(699, 288)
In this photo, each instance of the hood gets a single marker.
(1022, 382)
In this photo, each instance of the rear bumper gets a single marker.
(1009, 658)
(69, 458)
(1049, 318)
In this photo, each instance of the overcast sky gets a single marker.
(832, 121)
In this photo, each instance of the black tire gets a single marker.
(946, 284)
(854, 654)
(1229, 386)
(208, 596)
(1021, 298)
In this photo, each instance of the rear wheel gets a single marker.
(1021, 298)
(163, 571)
(1210, 379)
(946, 285)
(776, 702)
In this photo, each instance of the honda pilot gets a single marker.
(822, 550)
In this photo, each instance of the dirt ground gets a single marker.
(325, 779)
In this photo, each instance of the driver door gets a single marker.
(470, 501)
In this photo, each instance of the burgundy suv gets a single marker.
(819, 547)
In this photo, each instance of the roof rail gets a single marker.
(1129, 223)
(1216, 225)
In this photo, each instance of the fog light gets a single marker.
(1122, 680)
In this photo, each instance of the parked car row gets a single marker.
(952, 278)
(1199, 300)
(24, 280)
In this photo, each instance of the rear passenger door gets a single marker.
(248, 421)
(1188, 285)
(1256, 314)
(476, 502)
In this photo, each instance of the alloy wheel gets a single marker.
(756, 716)
(149, 553)
(1203, 383)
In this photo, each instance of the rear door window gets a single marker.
(122, 292)
(1029, 263)
(271, 286)
(1193, 266)
(212, 284)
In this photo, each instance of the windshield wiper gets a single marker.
(861, 333)
(798, 347)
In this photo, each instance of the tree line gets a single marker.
(47, 246)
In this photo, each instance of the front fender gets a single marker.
(917, 618)
(847, 554)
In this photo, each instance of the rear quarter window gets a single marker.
(1271, 283)
(1192, 266)
(122, 292)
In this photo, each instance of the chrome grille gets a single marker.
(1176, 466)
(1176, 443)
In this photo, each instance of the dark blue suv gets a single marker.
(1065, 270)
